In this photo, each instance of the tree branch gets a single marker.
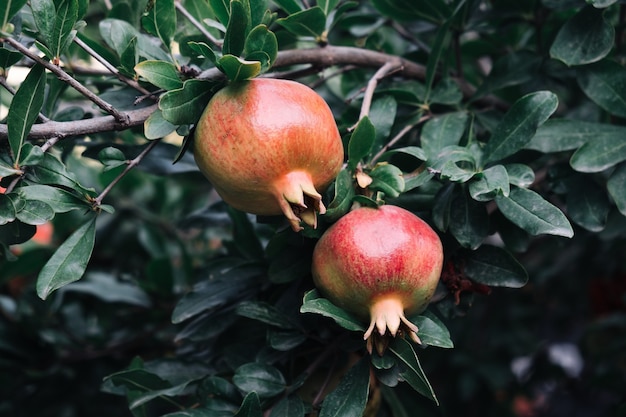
(65, 77)
(388, 68)
(320, 57)
(62, 130)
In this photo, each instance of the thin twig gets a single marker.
(382, 72)
(132, 83)
(198, 25)
(65, 77)
(131, 164)
(3, 82)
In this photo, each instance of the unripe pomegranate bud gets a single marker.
(270, 146)
(380, 264)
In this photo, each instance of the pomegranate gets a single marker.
(270, 146)
(380, 264)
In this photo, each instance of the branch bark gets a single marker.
(317, 57)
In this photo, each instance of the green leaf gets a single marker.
(145, 397)
(261, 45)
(361, 142)
(413, 373)
(599, 154)
(117, 34)
(66, 17)
(442, 131)
(107, 287)
(432, 332)
(7, 170)
(489, 183)
(414, 151)
(70, 260)
(604, 82)
(455, 163)
(350, 397)
(616, 185)
(265, 313)
(558, 135)
(59, 199)
(8, 9)
(327, 5)
(239, 69)
(587, 203)
(342, 201)
(529, 211)
(156, 127)
(313, 303)
(251, 406)
(263, 379)
(585, 38)
(439, 45)
(237, 29)
(468, 222)
(111, 157)
(382, 114)
(44, 15)
(161, 74)
(388, 179)
(35, 212)
(7, 210)
(203, 49)
(185, 105)
(245, 238)
(160, 20)
(520, 175)
(495, 267)
(519, 125)
(51, 171)
(291, 406)
(310, 22)
(24, 109)
(289, 6)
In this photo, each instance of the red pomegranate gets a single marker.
(380, 264)
(270, 146)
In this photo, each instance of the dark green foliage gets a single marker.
(501, 123)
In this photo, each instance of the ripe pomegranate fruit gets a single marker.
(269, 146)
(380, 264)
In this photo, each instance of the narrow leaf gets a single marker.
(585, 38)
(8, 9)
(305, 23)
(599, 154)
(44, 15)
(604, 82)
(616, 186)
(66, 17)
(160, 20)
(529, 211)
(70, 260)
(24, 109)
(237, 29)
(185, 105)
(265, 380)
(350, 397)
(494, 266)
(313, 303)
(587, 203)
(557, 135)
(442, 131)
(361, 142)
(413, 374)
(519, 125)
(251, 406)
(159, 73)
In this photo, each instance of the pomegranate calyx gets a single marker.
(299, 200)
(387, 321)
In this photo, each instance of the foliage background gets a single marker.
(152, 297)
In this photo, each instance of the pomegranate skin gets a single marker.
(380, 264)
(269, 146)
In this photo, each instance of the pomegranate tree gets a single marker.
(380, 264)
(270, 146)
